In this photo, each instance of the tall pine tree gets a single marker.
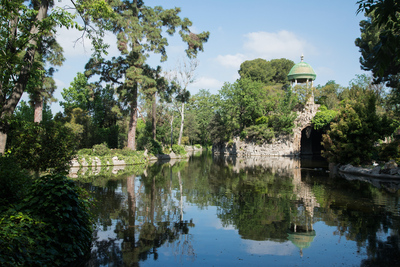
(141, 30)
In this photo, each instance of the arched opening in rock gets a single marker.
(310, 142)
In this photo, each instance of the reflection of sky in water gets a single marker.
(269, 247)
(212, 243)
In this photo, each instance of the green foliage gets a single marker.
(202, 105)
(78, 95)
(101, 149)
(260, 133)
(146, 34)
(389, 151)
(25, 112)
(49, 225)
(178, 150)
(197, 146)
(26, 36)
(262, 120)
(13, 182)
(266, 72)
(328, 95)
(380, 36)
(85, 151)
(153, 146)
(353, 135)
(323, 118)
(41, 147)
(242, 103)
(282, 123)
(303, 93)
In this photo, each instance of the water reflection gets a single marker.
(213, 211)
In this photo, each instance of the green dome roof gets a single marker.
(301, 72)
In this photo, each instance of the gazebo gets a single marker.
(302, 72)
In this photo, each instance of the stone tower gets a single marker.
(302, 73)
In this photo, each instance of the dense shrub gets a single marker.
(282, 123)
(101, 149)
(260, 133)
(323, 118)
(178, 150)
(41, 147)
(153, 146)
(352, 137)
(390, 151)
(13, 182)
(50, 226)
(262, 120)
(85, 151)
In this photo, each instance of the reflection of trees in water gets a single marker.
(145, 217)
(360, 212)
(262, 201)
(255, 200)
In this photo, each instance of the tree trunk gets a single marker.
(154, 115)
(172, 120)
(182, 120)
(3, 141)
(133, 122)
(9, 105)
(38, 110)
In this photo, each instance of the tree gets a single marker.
(140, 31)
(257, 70)
(182, 76)
(357, 128)
(328, 95)
(242, 103)
(98, 105)
(23, 24)
(78, 95)
(282, 68)
(41, 85)
(267, 72)
(380, 40)
(203, 105)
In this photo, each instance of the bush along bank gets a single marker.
(101, 155)
(44, 221)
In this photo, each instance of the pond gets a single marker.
(259, 211)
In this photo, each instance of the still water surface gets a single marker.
(235, 212)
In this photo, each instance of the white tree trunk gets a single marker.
(182, 111)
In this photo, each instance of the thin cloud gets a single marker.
(268, 45)
(283, 44)
(231, 61)
(206, 83)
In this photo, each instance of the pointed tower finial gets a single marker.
(302, 57)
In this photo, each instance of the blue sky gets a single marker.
(324, 31)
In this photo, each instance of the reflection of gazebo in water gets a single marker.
(301, 232)
(301, 239)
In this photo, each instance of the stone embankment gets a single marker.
(281, 146)
(389, 171)
(93, 161)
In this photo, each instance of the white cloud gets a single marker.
(268, 45)
(76, 46)
(231, 61)
(282, 44)
(207, 83)
(73, 46)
